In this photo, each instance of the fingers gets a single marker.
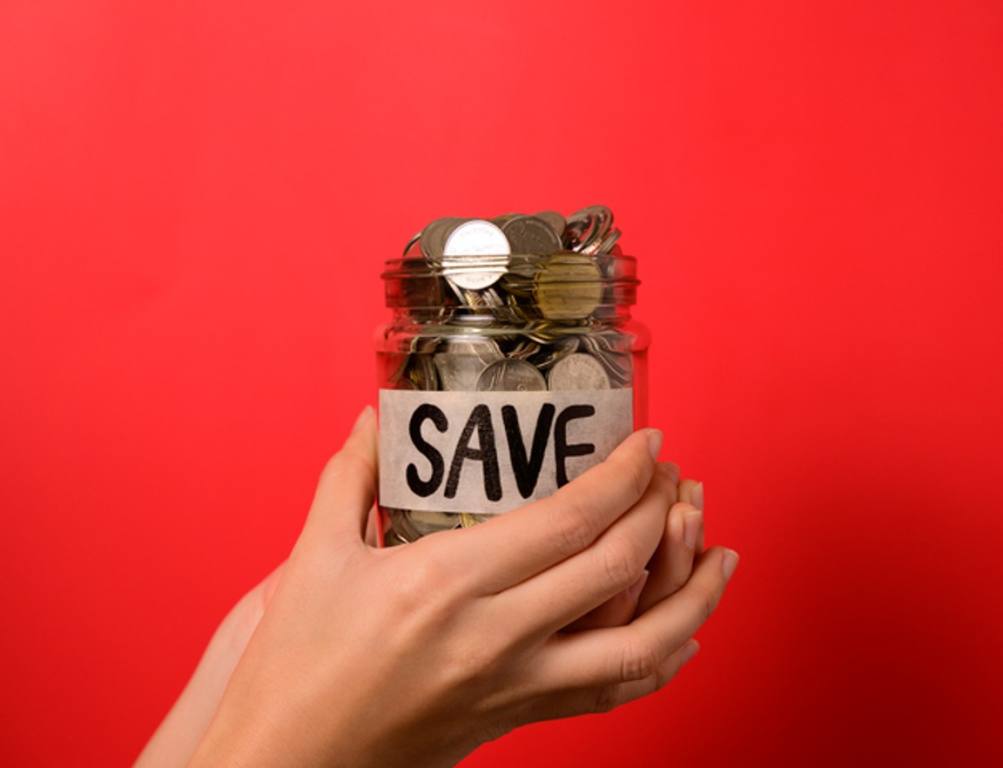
(691, 492)
(621, 608)
(516, 545)
(672, 562)
(581, 701)
(622, 654)
(612, 696)
(616, 611)
(673, 470)
(347, 486)
(548, 601)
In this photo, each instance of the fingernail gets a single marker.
(696, 496)
(654, 442)
(365, 415)
(634, 590)
(691, 528)
(688, 651)
(729, 562)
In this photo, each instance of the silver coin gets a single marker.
(530, 235)
(606, 246)
(586, 229)
(433, 237)
(467, 254)
(463, 361)
(558, 350)
(608, 352)
(511, 376)
(554, 219)
(577, 371)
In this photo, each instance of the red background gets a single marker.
(196, 198)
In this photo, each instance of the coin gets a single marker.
(568, 287)
(609, 241)
(577, 371)
(433, 236)
(511, 376)
(469, 520)
(528, 234)
(425, 522)
(463, 360)
(586, 228)
(469, 240)
(422, 372)
(559, 349)
(617, 363)
(392, 538)
(554, 219)
(401, 526)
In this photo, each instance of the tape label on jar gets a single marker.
(489, 452)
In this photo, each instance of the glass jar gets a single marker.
(502, 377)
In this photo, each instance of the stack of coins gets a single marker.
(515, 303)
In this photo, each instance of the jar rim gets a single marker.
(563, 285)
(515, 263)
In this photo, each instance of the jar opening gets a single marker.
(562, 286)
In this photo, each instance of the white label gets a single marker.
(489, 452)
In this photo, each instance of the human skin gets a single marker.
(348, 655)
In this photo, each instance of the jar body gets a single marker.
(481, 412)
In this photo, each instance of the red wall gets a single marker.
(195, 200)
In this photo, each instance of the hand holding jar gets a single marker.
(415, 655)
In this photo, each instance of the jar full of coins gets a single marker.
(510, 365)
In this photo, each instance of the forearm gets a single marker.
(176, 739)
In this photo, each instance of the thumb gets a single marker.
(347, 486)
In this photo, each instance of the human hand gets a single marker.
(417, 654)
(177, 737)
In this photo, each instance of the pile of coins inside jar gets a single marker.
(516, 303)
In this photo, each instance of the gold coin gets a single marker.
(568, 287)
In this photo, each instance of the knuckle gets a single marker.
(621, 562)
(572, 527)
(469, 666)
(421, 582)
(638, 661)
(707, 603)
(477, 660)
(605, 699)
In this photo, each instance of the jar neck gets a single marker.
(566, 288)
